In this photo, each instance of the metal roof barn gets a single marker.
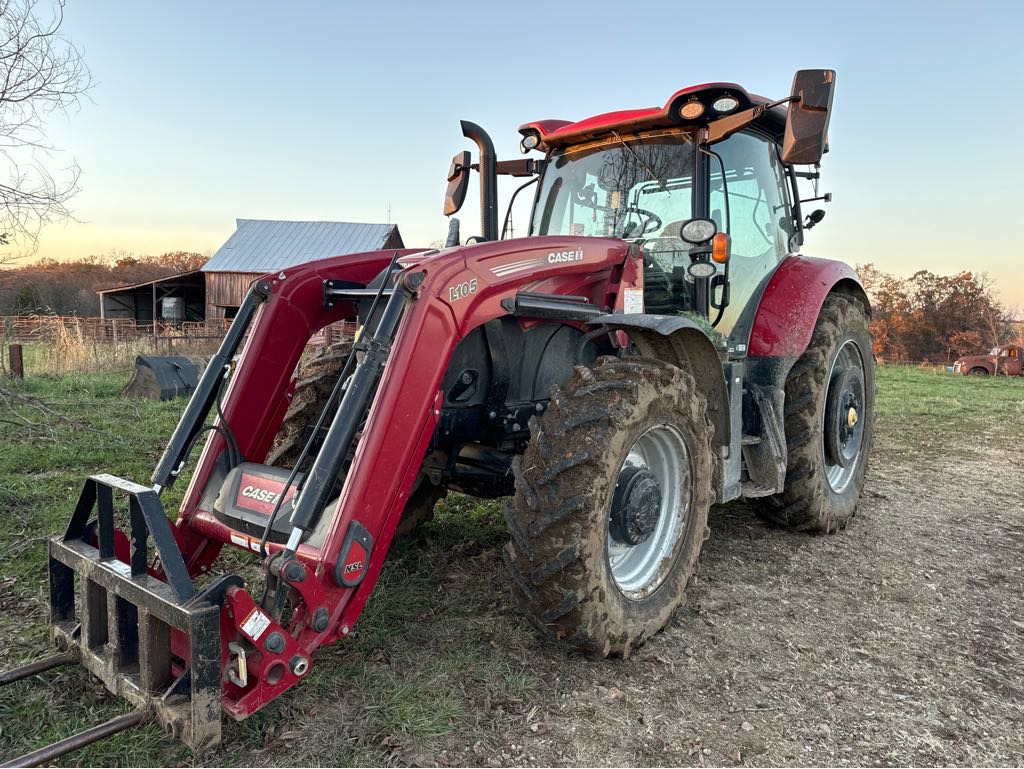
(264, 245)
(259, 246)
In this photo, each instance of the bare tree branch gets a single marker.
(41, 73)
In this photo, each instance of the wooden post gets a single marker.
(17, 362)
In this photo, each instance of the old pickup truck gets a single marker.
(1005, 360)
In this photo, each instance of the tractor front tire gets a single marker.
(829, 420)
(611, 504)
(316, 382)
(309, 399)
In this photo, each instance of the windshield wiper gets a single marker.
(639, 160)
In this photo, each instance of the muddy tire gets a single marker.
(978, 371)
(312, 392)
(830, 386)
(316, 382)
(419, 508)
(584, 497)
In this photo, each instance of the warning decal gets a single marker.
(255, 623)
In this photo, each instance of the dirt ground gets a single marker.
(896, 642)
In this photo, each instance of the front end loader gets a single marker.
(655, 346)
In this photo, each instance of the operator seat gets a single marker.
(666, 293)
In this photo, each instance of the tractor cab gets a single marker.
(706, 186)
(641, 188)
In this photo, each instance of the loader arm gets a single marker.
(221, 639)
(460, 290)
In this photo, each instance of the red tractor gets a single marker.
(654, 347)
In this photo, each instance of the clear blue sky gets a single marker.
(207, 111)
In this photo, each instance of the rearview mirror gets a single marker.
(458, 183)
(807, 120)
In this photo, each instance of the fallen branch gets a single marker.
(12, 397)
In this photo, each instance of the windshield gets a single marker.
(633, 187)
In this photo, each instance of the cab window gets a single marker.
(751, 203)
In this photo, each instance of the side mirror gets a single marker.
(458, 182)
(807, 122)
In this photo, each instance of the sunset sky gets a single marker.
(203, 112)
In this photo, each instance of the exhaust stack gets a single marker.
(488, 179)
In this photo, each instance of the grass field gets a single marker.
(442, 670)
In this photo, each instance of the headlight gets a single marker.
(725, 103)
(691, 110)
(698, 230)
(529, 142)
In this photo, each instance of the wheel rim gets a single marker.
(660, 454)
(845, 417)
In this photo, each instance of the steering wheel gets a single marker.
(651, 223)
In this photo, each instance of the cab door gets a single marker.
(1012, 362)
(751, 202)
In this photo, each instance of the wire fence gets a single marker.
(57, 345)
(36, 328)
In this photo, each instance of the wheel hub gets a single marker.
(844, 417)
(635, 506)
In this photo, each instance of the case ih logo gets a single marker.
(260, 494)
(263, 495)
(525, 265)
(566, 256)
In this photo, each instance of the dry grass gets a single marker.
(65, 349)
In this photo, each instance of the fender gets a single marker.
(792, 300)
(681, 342)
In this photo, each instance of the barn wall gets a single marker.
(226, 289)
(394, 240)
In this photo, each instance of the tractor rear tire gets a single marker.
(312, 391)
(821, 492)
(610, 428)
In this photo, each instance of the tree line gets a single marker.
(935, 318)
(925, 317)
(53, 287)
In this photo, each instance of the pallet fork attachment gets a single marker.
(70, 744)
(118, 619)
(150, 637)
(138, 622)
